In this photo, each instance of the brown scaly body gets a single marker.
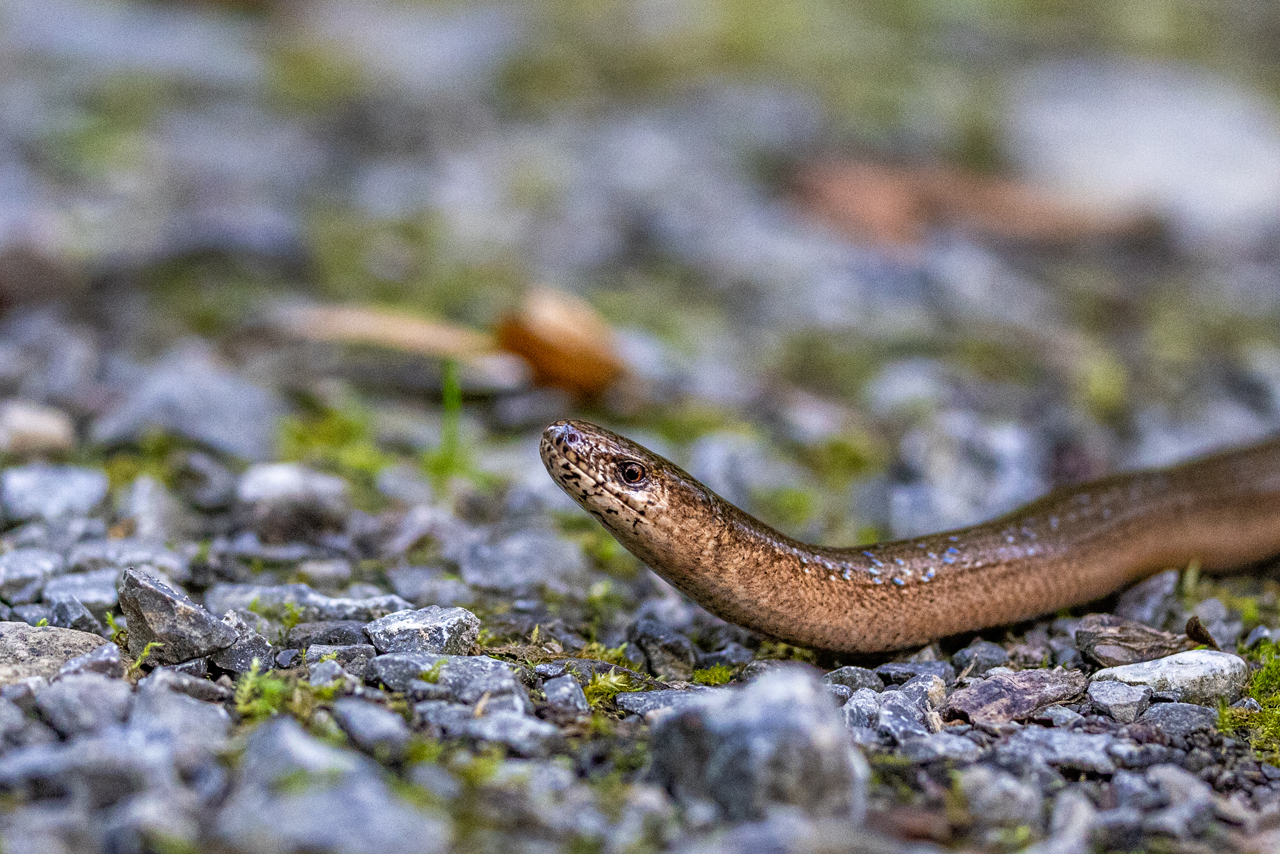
(1069, 547)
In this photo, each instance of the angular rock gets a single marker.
(189, 394)
(172, 679)
(732, 655)
(158, 613)
(311, 606)
(862, 709)
(1014, 696)
(775, 741)
(283, 502)
(1076, 751)
(327, 632)
(84, 703)
(565, 696)
(668, 654)
(351, 657)
(47, 492)
(68, 613)
(1118, 701)
(23, 573)
(194, 729)
(27, 651)
(855, 678)
(95, 590)
(1201, 676)
(1152, 601)
(448, 631)
(1109, 641)
(248, 647)
(375, 729)
(457, 678)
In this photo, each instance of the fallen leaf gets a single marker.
(568, 344)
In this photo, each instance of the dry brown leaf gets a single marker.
(568, 344)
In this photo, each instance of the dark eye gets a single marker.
(632, 473)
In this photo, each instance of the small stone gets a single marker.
(1118, 701)
(48, 492)
(979, 657)
(327, 632)
(195, 729)
(855, 677)
(1151, 602)
(1076, 751)
(1190, 801)
(1200, 676)
(732, 655)
(1110, 641)
(248, 647)
(668, 654)
(566, 696)
(328, 575)
(939, 746)
(645, 703)
(27, 651)
(899, 672)
(996, 798)
(353, 657)
(1014, 696)
(1257, 636)
(172, 679)
(449, 631)
(523, 735)
(68, 613)
(927, 691)
(30, 429)
(1247, 704)
(159, 614)
(523, 562)
(125, 553)
(375, 729)
(458, 678)
(32, 615)
(95, 590)
(23, 573)
(862, 709)
(283, 502)
(429, 586)
(774, 741)
(1180, 720)
(83, 703)
(1059, 716)
(105, 661)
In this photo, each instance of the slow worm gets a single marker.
(1072, 546)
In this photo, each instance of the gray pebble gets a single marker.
(855, 677)
(668, 654)
(449, 631)
(566, 696)
(939, 746)
(96, 590)
(1062, 748)
(327, 632)
(645, 703)
(83, 703)
(105, 660)
(1121, 702)
(1180, 720)
(979, 657)
(68, 613)
(158, 613)
(283, 502)
(375, 729)
(352, 657)
(900, 672)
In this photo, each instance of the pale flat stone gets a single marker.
(1200, 676)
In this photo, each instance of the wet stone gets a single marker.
(775, 741)
(96, 590)
(375, 729)
(979, 657)
(899, 672)
(68, 613)
(1077, 751)
(1204, 677)
(283, 502)
(105, 661)
(83, 703)
(1119, 701)
(855, 678)
(449, 631)
(668, 654)
(27, 651)
(159, 614)
(1014, 696)
(310, 605)
(328, 632)
(41, 491)
(23, 573)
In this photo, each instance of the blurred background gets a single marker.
(869, 268)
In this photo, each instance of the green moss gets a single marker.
(788, 508)
(312, 77)
(141, 660)
(772, 649)
(341, 441)
(717, 675)
(152, 456)
(432, 674)
(261, 695)
(1262, 728)
(613, 655)
(423, 750)
(605, 686)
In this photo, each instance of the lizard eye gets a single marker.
(632, 473)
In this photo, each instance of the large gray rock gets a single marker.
(449, 631)
(1200, 676)
(48, 492)
(158, 613)
(27, 651)
(283, 502)
(295, 794)
(189, 394)
(779, 740)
